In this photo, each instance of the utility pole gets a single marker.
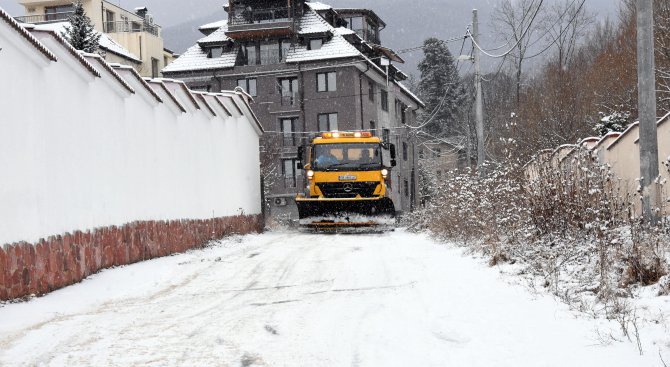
(646, 81)
(479, 109)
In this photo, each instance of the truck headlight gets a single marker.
(385, 173)
(310, 174)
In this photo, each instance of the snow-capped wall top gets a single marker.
(106, 42)
(99, 61)
(26, 35)
(43, 35)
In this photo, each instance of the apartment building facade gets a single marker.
(128, 37)
(310, 68)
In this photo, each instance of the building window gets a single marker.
(385, 100)
(154, 67)
(403, 115)
(288, 130)
(288, 87)
(285, 47)
(111, 21)
(406, 187)
(356, 25)
(373, 128)
(327, 122)
(249, 86)
(125, 23)
(215, 52)
(61, 12)
(404, 151)
(386, 136)
(250, 54)
(270, 53)
(371, 90)
(326, 82)
(315, 44)
(290, 173)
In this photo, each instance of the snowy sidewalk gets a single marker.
(288, 299)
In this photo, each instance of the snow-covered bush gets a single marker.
(566, 220)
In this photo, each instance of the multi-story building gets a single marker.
(310, 68)
(127, 37)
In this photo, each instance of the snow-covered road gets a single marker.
(288, 299)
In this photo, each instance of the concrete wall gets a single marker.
(87, 148)
(621, 153)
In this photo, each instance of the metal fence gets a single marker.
(260, 16)
(45, 18)
(130, 27)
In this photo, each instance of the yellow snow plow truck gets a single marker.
(348, 182)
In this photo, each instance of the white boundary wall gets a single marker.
(78, 151)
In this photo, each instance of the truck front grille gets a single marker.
(348, 189)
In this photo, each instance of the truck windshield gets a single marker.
(346, 157)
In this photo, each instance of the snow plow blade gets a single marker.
(335, 214)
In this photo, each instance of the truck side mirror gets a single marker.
(301, 152)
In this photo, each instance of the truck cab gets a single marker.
(348, 175)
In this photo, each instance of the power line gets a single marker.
(450, 40)
(530, 24)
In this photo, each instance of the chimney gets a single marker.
(141, 11)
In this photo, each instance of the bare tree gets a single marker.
(566, 24)
(515, 21)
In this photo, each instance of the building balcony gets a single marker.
(273, 21)
(130, 27)
(45, 18)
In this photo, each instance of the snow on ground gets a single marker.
(289, 299)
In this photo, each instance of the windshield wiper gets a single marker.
(336, 165)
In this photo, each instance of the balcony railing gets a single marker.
(130, 27)
(45, 18)
(368, 35)
(258, 16)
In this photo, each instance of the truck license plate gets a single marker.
(348, 178)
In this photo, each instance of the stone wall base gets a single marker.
(39, 268)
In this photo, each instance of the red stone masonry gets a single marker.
(59, 261)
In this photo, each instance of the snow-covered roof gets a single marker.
(344, 31)
(311, 22)
(196, 59)
(106, 42)
(213, 25)
(335, 48)
(218, 36)
(410, 93)
(319, 6)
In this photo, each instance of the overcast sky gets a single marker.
(407, 27)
